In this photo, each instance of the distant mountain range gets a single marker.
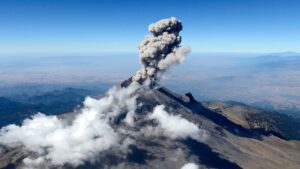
(15, 110)
(288, 109)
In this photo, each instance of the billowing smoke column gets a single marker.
(160, 50)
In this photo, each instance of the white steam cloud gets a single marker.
(190, 166)
(55, 141)
(161, 50)
(174, 126)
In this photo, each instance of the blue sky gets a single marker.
(78, 26)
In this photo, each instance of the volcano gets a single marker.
(140, 124)
(233, 141)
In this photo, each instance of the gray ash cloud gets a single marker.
(161, 50)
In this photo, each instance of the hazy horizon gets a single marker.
(244, 78)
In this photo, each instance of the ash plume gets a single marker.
(160, 50)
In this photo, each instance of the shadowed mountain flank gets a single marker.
(208, 157)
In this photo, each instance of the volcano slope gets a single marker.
(228, 141)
